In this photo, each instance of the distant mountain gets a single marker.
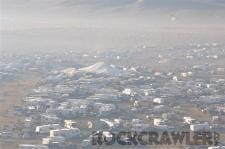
(96, 5)
(107, 24)
(148, 4)
(137, 8)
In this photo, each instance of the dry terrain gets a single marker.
(12, 94)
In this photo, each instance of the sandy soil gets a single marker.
(12, 94)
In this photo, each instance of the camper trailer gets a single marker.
(49, 140)
(67, 133)
(44, 129)
(28, 146)
(200, 127)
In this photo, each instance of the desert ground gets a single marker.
(12, 94)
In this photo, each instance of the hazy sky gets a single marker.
(67, 23)
(64, 13)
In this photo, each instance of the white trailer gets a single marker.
(200, 127)
(29, 146)
(46, 128)
(49, 140)
(67, 133)
(159, 100)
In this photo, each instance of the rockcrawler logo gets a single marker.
(155, 138)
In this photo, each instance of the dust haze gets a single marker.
(31, 25)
